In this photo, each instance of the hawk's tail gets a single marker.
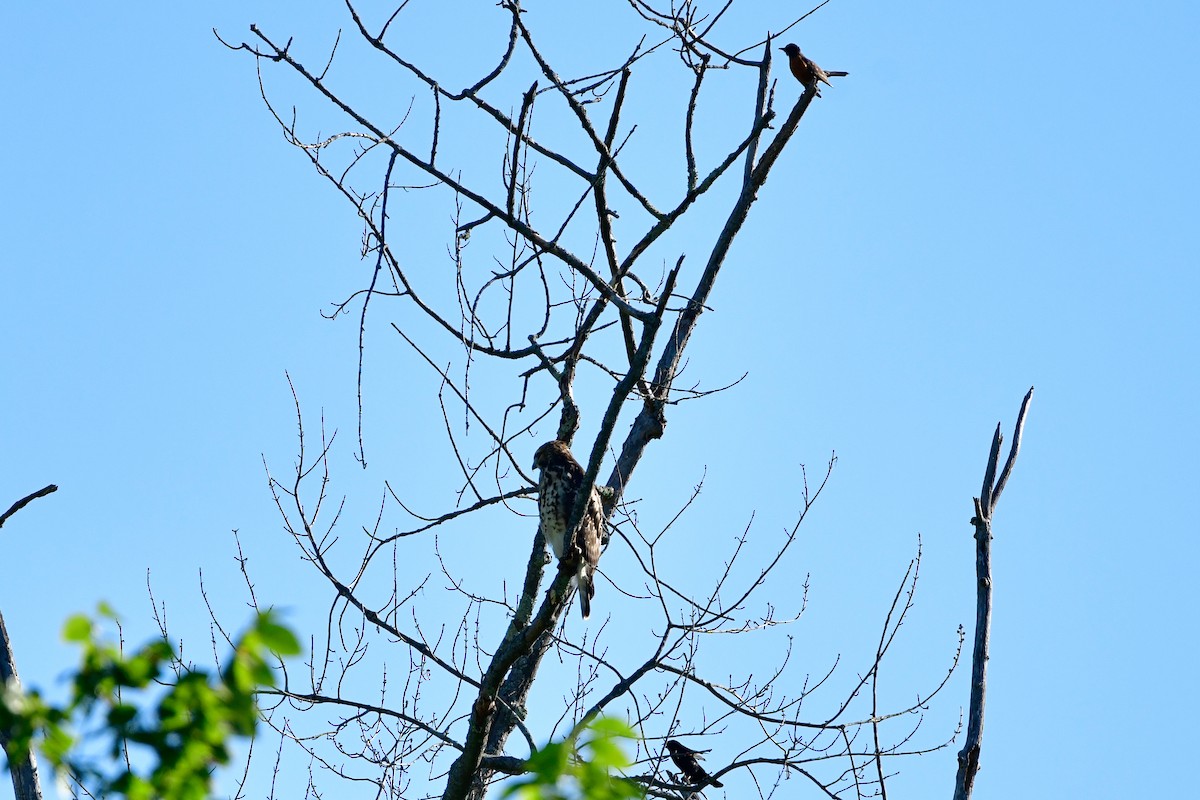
(585, 580)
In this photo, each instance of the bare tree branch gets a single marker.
(24, 771)
(24, 501)
(985, 505)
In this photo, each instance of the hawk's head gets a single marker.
(552, 453)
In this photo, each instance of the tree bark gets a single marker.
(26, 785)
(24, 772)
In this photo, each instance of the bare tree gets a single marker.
(23, 771)
(564, 301)
(985, 507)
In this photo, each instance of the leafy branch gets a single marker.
(154, 738)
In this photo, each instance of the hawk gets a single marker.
(557, 488)
(807, 71)
(688, 761)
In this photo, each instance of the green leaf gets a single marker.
(277, 638)
(77, 629)
(121, 715)
(558, 772)
(611, 727)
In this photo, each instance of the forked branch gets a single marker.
(985, 505)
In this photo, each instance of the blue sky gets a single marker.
(995, 198)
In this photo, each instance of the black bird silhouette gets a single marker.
(688, 761)
(807, 71)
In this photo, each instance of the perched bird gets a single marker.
(557, 488)
(688, 761)
(806, 70)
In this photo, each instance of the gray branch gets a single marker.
(26, 785)
(24, 501)
(985, 505)
(24, 771)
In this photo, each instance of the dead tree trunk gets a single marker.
(24, 771)
(985, 504)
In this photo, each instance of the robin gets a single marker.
(806, 71)
(688, 762)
